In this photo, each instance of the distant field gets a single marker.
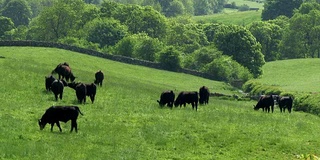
(237, 18)
(125, 121)
(251, 4)
(301, 75)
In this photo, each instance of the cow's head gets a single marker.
(255, 107)
(160, 103)
(72, 77)
(41, 124)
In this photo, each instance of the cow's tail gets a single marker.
(77, 108)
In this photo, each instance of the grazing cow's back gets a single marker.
(54, 114)
(166, 97)
(99, 78)
(91, 91)
(285, 102)
(81, 91)
(57, 87)
(64, 71)
(265, 102)
(48, 81)
(204, 95)
(187, 97)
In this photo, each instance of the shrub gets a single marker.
(169, 58)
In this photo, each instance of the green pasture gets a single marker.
(228, 17)
(298, 75)
(125, 121)
(250, 3)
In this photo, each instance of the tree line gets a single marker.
(148, 32)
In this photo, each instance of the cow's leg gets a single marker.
(61, 95)
(52, 124)
(92, 98)
(74, 125)
(58, 124)
(56, 97)
(192, 105)
(272, 108)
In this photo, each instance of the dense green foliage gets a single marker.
(275, 8)
(125, 122)
(111, 26)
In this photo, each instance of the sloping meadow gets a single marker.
(126, 122)
(298, 78)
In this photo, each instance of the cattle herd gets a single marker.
(54, 114)
(267, 101)
(184, 97)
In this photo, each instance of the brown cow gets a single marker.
(64, 71)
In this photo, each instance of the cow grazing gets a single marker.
(64, 71)
(54, 114)
(166, 98)
(91, 91)
(48, 82)
(204, 95)
(187, 97)
(285, 102)
(265, 102)
(57, 87)
(81, 91)
(99, 78)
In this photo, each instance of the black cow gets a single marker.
(285, 102)
(166, 98)
(48, 82)
(187, 97)
(265, 102)
(99, 78)
(204, 95)
(54, 114)
(81, 90)
(57, 87)
(64, 71)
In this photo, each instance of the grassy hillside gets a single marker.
(237, 18)
(125, 122)
(299, 75)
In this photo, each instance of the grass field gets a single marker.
(299, 75)
(125, 122)
(236, 18)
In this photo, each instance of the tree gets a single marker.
(201, 57)
(304, 26)
(5, 25)
(170, 58)
(226, 69)
(274, 8)
(241, 45)
(269, 36)
(186, 37)
(138, 19)
(18, 11)
(201, 7)
(176, 8)
(147, 48)
(58, 21)
(105, 31)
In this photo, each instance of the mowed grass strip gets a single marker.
(125, 122)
